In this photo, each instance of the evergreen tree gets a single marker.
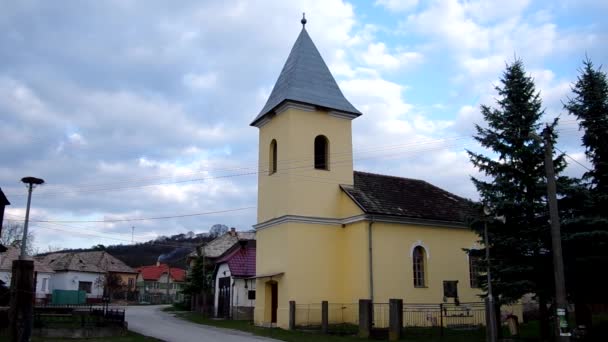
(590, 106)
(196, 280)
(515, 187)
(585, 218)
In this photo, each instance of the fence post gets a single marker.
(324, 317)
(395, 319)
(365, 318)
(441, 319)
(292, 314)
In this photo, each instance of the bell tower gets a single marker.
(305, 139)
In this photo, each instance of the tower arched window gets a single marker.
(419, 266)
(273, 157)
(321, 153)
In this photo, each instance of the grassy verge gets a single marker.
(300, 336)
(130, 337)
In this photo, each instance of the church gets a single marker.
(328, 233)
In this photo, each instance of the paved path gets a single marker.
(149, 320)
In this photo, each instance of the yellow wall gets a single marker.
(393, 270)
(297, 188)
(323, 262)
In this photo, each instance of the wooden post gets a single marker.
(365, 318)
(22, 301)
(395, 319)
(292, 314)
(324, 317)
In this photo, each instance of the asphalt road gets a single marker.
(149, 320)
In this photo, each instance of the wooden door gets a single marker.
(223, 300)
(274, 290)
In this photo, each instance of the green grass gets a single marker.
(300, 336)
(130, 337)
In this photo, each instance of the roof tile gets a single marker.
(305, 78)
(412, 198)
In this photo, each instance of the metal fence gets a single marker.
(74, 316)
(308, 316)
(343, 318)
(380, 315)
(467, 319)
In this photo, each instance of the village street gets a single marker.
(149, 320)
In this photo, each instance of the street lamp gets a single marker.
(31, 183)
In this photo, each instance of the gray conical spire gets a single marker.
(306, 79)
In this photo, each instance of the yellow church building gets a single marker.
(328, 233)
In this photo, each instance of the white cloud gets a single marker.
(200, 81)
(378, 56)
(397, 5)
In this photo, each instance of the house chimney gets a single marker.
(232, 231)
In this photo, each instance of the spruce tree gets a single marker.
(515, 187)
(590, 106)
(585, 216)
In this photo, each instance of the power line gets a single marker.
(571, 158)
(44, 194)
(258, 169)
(140, 219)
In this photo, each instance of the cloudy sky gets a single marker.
(137, 109)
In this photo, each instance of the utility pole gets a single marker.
(556, 242)
(22, 282)
(492, 328)
(132, 233)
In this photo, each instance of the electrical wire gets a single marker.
(140, 219)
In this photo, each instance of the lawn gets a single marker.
(300, 336)
(130, 337)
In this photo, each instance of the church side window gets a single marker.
(418, 261)
(273, 157)
(321, 153)
(474, 270)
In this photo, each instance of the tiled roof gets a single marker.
(95, 262)
(3, 199)
(154, 272)
(12, 253)
(305, 78)
(241, 261)
(411, 198)
(220, 245)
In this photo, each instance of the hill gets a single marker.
(171, 250)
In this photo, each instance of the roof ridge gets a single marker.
(391, 176)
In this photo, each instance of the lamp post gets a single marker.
(31, 183)
(22, 282)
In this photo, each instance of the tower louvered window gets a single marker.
(321, 153)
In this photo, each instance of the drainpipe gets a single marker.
(371, 260)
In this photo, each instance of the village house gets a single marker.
(160, 283)
(233, 258)
(97, 273)
(328, 233)
(43, 273)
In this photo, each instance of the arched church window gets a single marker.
(273, 157)
(321, 153)
(419, 264)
